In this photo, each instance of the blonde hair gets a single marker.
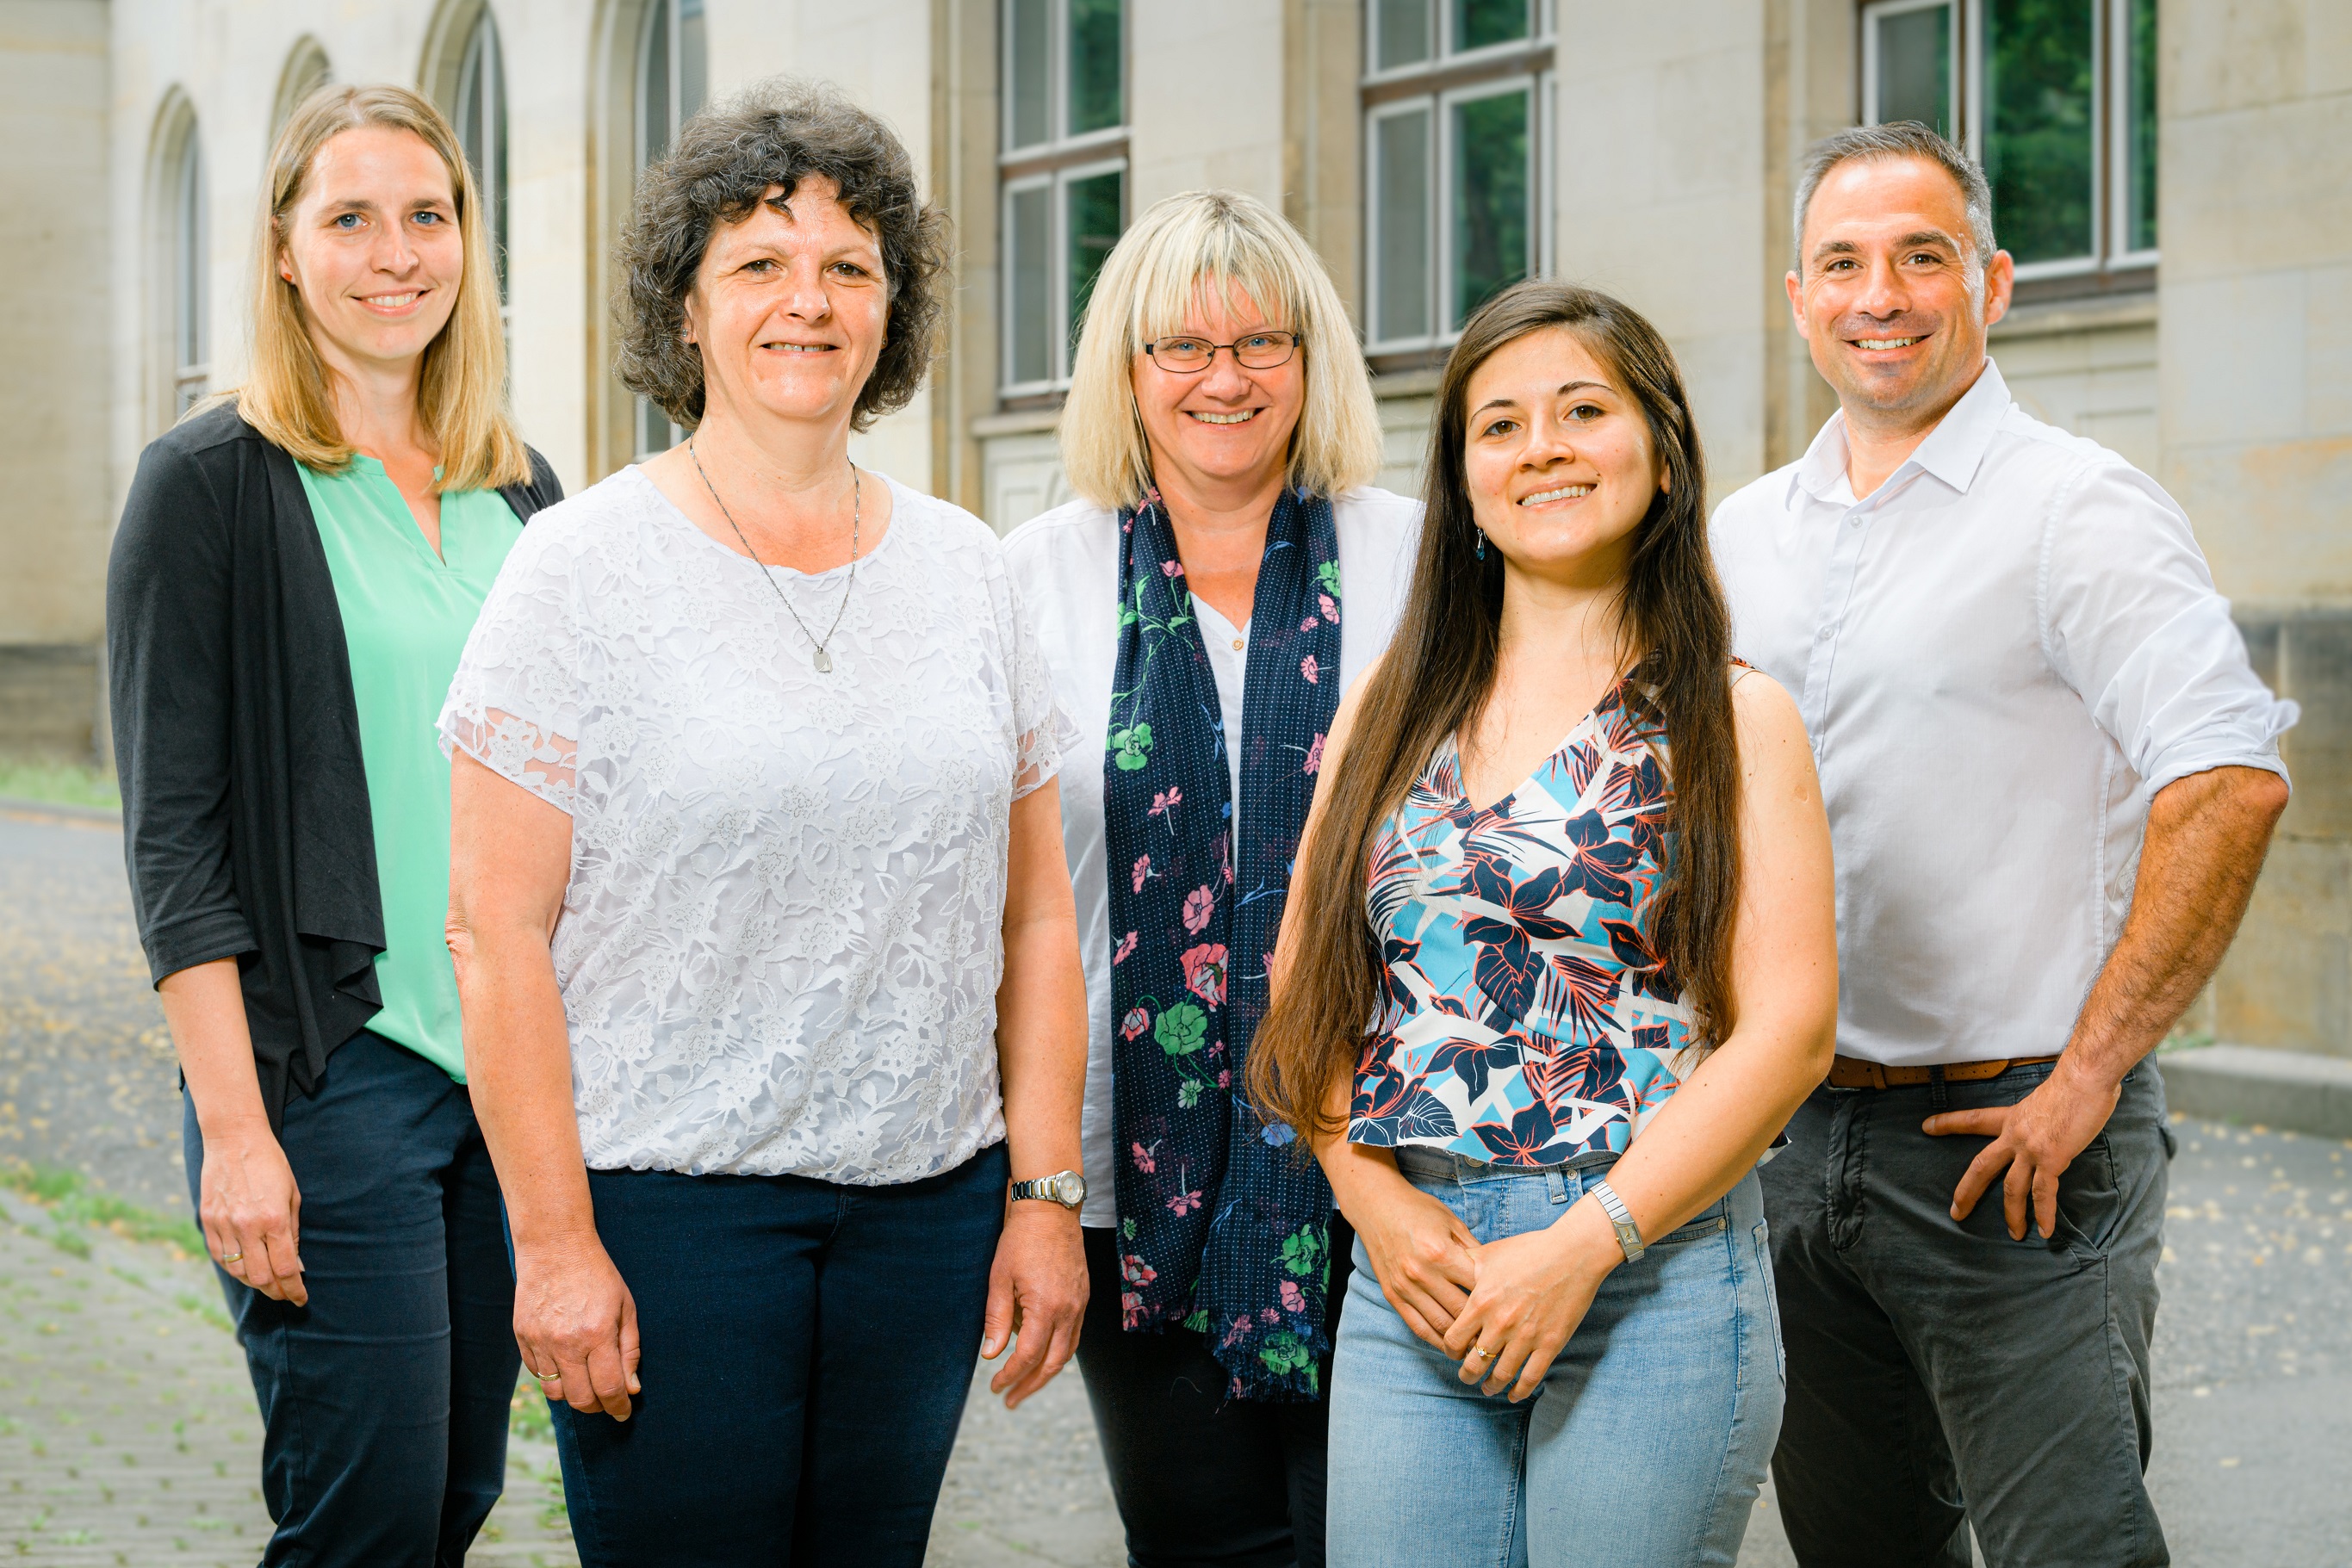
(461, 390)
(1223, 241)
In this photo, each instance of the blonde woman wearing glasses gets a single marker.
(297, 570)
(1224, 577)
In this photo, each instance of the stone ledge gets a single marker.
(2290, 1090)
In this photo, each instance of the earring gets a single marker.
(1482, 544)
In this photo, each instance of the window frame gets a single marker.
(668, 15)
(1957, 75)
(481, 73)
(190, 273)
(2108, 259)
(1055, 164)
(1446, 79)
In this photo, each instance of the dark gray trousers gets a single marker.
(1942, 1374)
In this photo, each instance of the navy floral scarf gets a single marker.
(1221, 1227)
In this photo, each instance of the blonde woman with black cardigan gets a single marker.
(295, 573)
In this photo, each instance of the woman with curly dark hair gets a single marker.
(761, 922)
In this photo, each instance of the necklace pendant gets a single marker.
(824, 663)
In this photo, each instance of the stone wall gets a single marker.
(54, 522)
(2254, 373)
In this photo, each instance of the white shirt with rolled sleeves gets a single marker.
(2002, 654)
(1066, 563)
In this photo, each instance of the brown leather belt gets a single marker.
(1853, 1072)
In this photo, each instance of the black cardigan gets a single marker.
(244, 806)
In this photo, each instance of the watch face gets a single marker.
(1070, 1188)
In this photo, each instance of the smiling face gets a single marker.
(1559, 459)
(789, 307)
(1893, 300)
(1227, 424)
(372, 246)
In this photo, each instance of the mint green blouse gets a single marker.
(406, 614)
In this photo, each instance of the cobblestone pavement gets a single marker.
(127, 1433)
(127, 1426)
(87, 1076)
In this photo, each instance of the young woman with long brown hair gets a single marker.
(1598, 973)
(297, 568)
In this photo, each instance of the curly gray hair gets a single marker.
(727, 160)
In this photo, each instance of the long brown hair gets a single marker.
(461, 389)
(1438, 676)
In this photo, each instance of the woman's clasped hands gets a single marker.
(1503, 1309)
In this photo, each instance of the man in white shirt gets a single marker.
(2051, 777)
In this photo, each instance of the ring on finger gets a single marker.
(1480, 1350)
(549, 1376)
(227, 1257)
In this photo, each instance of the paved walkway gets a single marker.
(127, 1428)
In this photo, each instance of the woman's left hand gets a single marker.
(1036, 1290)
(1533, 1289)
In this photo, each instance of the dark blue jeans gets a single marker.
(385, 1401)
(801, 1341)
(1942, 1376)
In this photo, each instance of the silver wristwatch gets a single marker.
(1067, 1189)
(1620, 1219)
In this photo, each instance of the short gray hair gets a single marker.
(1899, 139)
(728, 158)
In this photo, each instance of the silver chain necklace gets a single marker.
(823, 661)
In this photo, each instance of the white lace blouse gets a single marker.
(780, 943)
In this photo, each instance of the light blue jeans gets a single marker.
(1646, 1443)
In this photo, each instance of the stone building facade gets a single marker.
(2176, 176)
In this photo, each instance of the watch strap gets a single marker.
(1620, 1219)
(1049, 1189)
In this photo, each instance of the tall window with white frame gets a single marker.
(1063, 167)
(673, 82)
(1458, 111)
(2056, 99)
(189, 272)
(481, 117)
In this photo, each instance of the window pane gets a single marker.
(653, 87)
(654, 432)
(1095, 60)
(188, 326)
(2039, 134)
(2140, 108)
(1028, 255)
(1478, 22)
(1400, 224)
(1915, 67)
(693, 61)
(482, 133)
(1400, 32)
(1094, 219)
(1027, 67)
(1490, 198)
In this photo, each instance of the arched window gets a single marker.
(188, 283)
(481, 112)
(306, 72)
(672, 83)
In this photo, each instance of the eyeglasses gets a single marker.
(1190, 356)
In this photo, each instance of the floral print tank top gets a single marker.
(1526, 1020)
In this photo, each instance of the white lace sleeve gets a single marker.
(1043, 731)
(514, 705)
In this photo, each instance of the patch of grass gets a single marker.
(529, 1417)
(68, 783)
(72, 1200)
(188, 1302)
